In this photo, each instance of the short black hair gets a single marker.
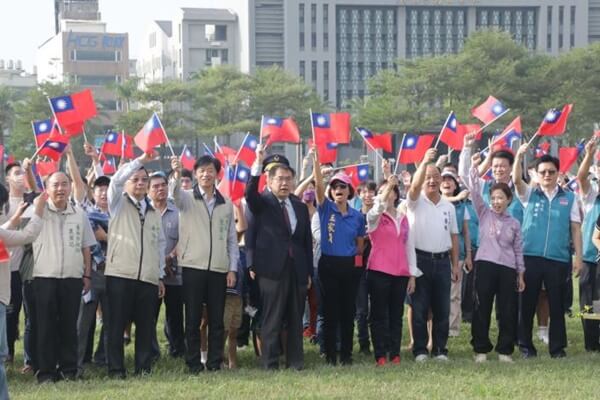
(186, 173)
(504, 187)
(158, 175)
(11, 166)
(206, 160)
(273, 170)
(507, 155)
(369, 185)
(450, 165)
(547, 158)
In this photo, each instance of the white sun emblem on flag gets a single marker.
(551, 115)
(453, 123)
(271, 121)
(363, 172)
(410, 141)
(61, 104)
(252, 144)
(54, 145)
(111, 137)
(149, 125)
(188, 153)
(43, 127)
(321, 120)
(364, 132)
(242, 174)
(497, 109)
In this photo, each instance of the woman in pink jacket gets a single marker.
(391, 271)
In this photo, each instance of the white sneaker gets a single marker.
(543, 334)
(421, 358)
(505, 358)
(441, 357)
(203, 356)
(480, 357)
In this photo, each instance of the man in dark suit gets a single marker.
(282, 259)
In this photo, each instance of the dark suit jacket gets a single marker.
(272, 238)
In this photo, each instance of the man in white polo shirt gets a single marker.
(433, 224)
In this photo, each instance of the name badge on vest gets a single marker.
(563, 201)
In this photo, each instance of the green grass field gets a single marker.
(576, 377)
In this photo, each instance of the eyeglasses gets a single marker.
(549, 172)
(339, 186)
(282, 179)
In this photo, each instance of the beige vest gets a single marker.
(133, 251)
(203, 238)
(57, 250)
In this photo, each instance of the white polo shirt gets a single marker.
(432, 224)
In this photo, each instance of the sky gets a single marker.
(26, 24)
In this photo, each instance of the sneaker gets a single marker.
(441, 357)
(421, 358)
(396, 360)
(480, 357)
(543, 334)
(380, 362)
(505, 358)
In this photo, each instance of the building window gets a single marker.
(152, 40)
(325, 41)
(561, 26)
(572, 28)
(301, 25)
(97, 80)
(214, 33)
(325, 26)
(313, 26)
(549, 38)
(313, 73)
(118, 55)
(73, 55)
(303, 70)
(224, 56)
(118, 79)
(313, 40)
(93, 55)
(520, 22)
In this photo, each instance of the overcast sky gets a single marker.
(25, 24)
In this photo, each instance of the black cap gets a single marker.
(273, 159)
(102, 181)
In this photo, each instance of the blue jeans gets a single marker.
(3, 352)
(432, 292)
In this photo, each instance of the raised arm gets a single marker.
(79, 186)
(584, 167)
(517, 173)
(319, 184)
(30, 179)
(464, 159)
(182, 200)
(253, 199)
(374, 214)
(419, 177)
(117, 183)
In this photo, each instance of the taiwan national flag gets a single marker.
(151, 135)
(376, 141)
(358, 173)
(187, 159)
(568, 156)
(332, 127)
(225, 154)
(73, 109)
(45, 168)
(277, 129)
(573, 186)
(54, 147)
(472, 128)
(247, 151)
(511, 133)
(555, 121)
(118, 145)
(42, 130)
(327, 152)
(491, 109)
(413, 148)
(452, 133)
(234, 182)
(542, 149)
(8, 158)
(109, 167)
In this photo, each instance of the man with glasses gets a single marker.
(208, 253)
(135, 263)
(551, 223)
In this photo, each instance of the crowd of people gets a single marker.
(305, 257)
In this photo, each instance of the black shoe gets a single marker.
(560, 354)
(46, 378)
(528, 354)
(196, 369)
(346, 361)
(117, 375)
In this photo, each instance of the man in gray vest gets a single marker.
(208, 253)
(135, 263)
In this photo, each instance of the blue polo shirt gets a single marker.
(339, 232)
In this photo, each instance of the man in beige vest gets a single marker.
(135, 263)
(62, 259)
(208, 253)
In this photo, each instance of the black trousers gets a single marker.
(362, 311)
(130, 300)
(589, 291)
(204, 287)
(29, 336)
(57, 308)
(339, 283)
(282, 300)
(494, 281)
(387, 294)
(553, 274)
(13, 311)
(174, 319)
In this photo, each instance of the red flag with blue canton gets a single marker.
(327, 152)
(358, 173)
(542, 149)
(511, 133)
(74, 108)
(573, 186)
(45, 168)
(452, 133)
(42, 130)
(487, 112)
(113, 144)
(567, 156)
(472, 128)
(151, 135)
(234, 182)
(187, 159)
(377, 141)
(109, 167)
(54, 147)
(247, 151)
(277, 129)
(332, 127)
(555, 121)
(413, 148)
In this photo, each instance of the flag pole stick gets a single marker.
(123, 143)
(399, 153)
(443, 127)
(54, 115)
(84, 135)
(240, 149)
(488, 124)
(369, 145)
(165, 131)
(533, 137)
(262, 121)
(312, 127)
(348, 166)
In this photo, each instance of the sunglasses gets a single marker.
(339, 186)
(549, 172)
